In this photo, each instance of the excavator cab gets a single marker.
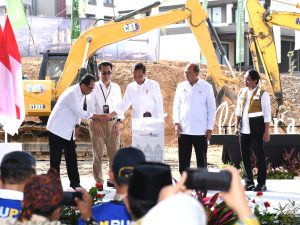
(39, 91)
(52, 65)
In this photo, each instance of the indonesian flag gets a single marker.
(12, 111)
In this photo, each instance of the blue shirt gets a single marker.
(110, 213)
(10, 208)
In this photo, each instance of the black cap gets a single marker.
(18, 160)
(124, 162)
(148, 179)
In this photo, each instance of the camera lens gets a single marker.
(201, 179)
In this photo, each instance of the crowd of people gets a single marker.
(145, 193)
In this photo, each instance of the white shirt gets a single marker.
(143, 98)
(67, 112)
(11, 194)
(265, 105)
(96, 99)
(194, 107)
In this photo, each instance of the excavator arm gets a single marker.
(98, 37)
(41, 95)
(252, 47)
(261, 32)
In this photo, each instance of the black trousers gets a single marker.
(256, 142)
(57, 145)
(185, 145)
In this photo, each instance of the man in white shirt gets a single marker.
(143, 95)
(68, 110)
(105, 134)
(194, 112)
(253, 113)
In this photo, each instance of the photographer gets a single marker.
(114, 212)
(43, 201)
(16, 169)
(166, 211)
(147, 180)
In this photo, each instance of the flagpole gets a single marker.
(29, 28)
(5, 137)
(36, 53)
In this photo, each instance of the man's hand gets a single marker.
(77, 133)
(235, 198)
(84, 205)
(96, 128)
(116, 128)
(266, 136)
(178, 129)
(208, 135)
(236, 131)
(171, 190)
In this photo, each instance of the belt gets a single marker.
(255, 114)
(112, 119)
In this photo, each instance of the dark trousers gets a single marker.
(57, 145)
(256, 142)
(185, 145)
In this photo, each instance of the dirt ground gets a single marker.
(171, 158)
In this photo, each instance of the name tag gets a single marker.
(106, 109)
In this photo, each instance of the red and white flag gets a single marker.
(12, 111)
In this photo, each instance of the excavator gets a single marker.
(262, 44)
(261, 40)
(41, 95)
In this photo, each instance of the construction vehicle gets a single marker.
(262, 44)
(262, 41)
(40, 93)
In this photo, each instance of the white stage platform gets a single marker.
(279, 191)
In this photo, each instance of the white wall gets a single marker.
(45, 8)
(230, 52)
(182, 47)
(228, 13)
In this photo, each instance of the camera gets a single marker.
(69, 198)
(202, 180)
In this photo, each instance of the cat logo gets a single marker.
(131, 27)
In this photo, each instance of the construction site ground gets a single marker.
(168, 74)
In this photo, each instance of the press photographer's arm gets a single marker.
(236, 199)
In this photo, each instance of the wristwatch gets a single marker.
(119, 120)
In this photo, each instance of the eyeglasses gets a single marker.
(187, 73)
(106, 73)
(90, 88)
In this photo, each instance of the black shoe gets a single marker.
(109, 184)
(261, 188)
(249, 187)
(76, 186)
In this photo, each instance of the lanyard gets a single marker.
(105, 98)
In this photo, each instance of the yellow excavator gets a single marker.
(262, 44)
(40, 93)
(261, 40)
